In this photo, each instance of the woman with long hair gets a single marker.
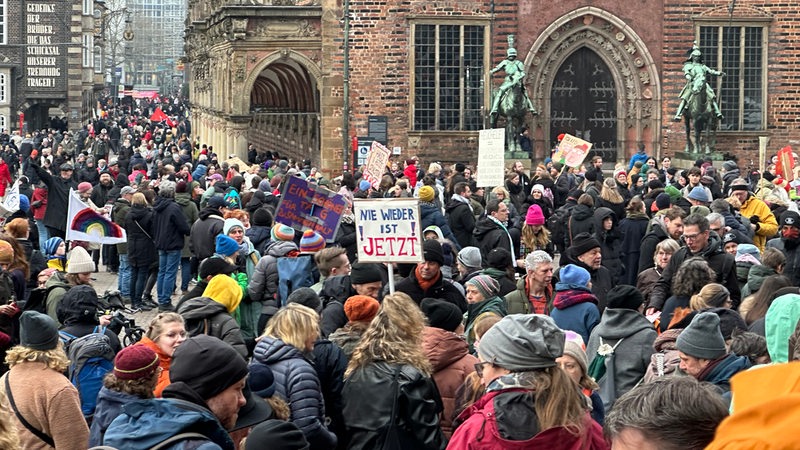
(390, 398)
(610, 198)
(164, 334)
(142, 254)
(534, 235)
(756, 306)
(529, 402)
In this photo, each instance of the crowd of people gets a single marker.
(574, 308)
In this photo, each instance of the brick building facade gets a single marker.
(272, 73)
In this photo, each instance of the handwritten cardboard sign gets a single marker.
(377, 158)
(388, 230)
(306, 206)
(572, 151)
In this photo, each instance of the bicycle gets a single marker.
(112, 304)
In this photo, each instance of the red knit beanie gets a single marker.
(361, 308)
(134, 362)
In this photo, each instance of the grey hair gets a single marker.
(659, 408)
(533, 260)
(667, 245)
(715, 218)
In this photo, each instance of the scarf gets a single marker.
(426, 284)
(518, 380)
(461, 199)
(510, 241)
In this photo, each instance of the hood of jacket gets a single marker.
(443, 347)
(453, 204)
(208, 211)
(667, 340)
(582, 212)
(270, 351)
(600, 214)
(162, 203)
(779, 323)
(618, 323)
(338, 287)
(484, 226)
(280, 248)
(756, 276)
(147, 423)
(183, 198)
(728, 367)
(200, 308)
(138, 212)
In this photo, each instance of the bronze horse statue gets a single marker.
(512, 107)
(699, 115)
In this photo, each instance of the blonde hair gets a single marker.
(609, 191)
(139, 199)
(54, 359)
(533, 240)
(9, 437)
(293, 324)
(501, 190)
(710, 296)
(556, 400)
(394, 336)
(156, 327)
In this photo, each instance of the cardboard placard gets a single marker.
(305, 206)
(388, 230)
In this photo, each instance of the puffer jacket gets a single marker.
(109, 407)
(451, 361)
(576, 310)
(462, 222)
(369, 395)
(755, 278)
(204, 232)
(263, 285)
(298, 383)
(205, 316)
(430, 214)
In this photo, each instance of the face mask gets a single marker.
(790, 233)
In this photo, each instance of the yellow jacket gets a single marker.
(767, 224)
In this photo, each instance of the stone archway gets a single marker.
(632, 69)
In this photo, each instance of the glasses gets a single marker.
(479, 367)
(691, 237)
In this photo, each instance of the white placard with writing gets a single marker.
(491, 157)
(388, 230)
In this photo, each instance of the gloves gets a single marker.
(241, 280)
(755, 220)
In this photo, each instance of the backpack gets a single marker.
(37, 299)
(91, 358)
(597, 369)
(556, 225)
(295, 272)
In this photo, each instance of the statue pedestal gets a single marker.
(686, 160)
(525, 157)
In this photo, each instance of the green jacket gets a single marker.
(517, 301)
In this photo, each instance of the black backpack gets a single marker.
(37, 299)
(557, 224)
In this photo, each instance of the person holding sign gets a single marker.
(427, 281)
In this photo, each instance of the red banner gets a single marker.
(785, 163)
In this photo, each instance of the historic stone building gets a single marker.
(273, 73)
(47, 61)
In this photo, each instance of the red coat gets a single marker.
(411, 173)
(5, 177)
(39, 195)
(480, 432)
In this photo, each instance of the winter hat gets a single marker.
(261, 380)
(662, 201)
(699, 193)
(78, 306)
(281, 232)
(24, 203)
(231, 223)
(435, 229)
(729, 320)
(307, 297)
(51, 246)
(363, 273)
(37, 331)
(673, 192)
(364, 185)
(18, 228)
(311, 242)
(729, 165)
(486, 285)
(441, 314)
(730, 237)
(575, 194)
(739, 184)
(225, 245)
(6, 252)
(619, 172)
(522, 342)
(205, 365)
(538, 187)
(470, 257)
(224, 290)
(277, 435)
(624, 296)
(181, 187)
(790, 218)
(748, 249)
(702, 338)
(426, 194)
(534, 216)
(574, 347)
(591, 175)
(216, 201)
(582, 243)
(79, 261)
(498, 258)
(215, 265)
(635, 179)
(134, 362)
(264, 186)
(84, 187)
(262, 218)
(361, 308)
(573, 277)
(432, 251)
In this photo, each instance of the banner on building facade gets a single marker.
(306, 206)
(388, 230)
(491, 157)
(572, 151)
(377, 159)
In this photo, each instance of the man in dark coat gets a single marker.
(459, 215)
(206, 229)
(55, 218)
(427, 279)
(492, 230)
(169, 228)
(789, 244)
(585, 252)
(668, 225)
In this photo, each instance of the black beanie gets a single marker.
(590, 175)
(575, 194)
(276, 435)
(307, 297)
(441, 314)
(582, 243)
(499, 258)
(205, 365)
(769, 176)
(38, 331)
(363, 273)
(624, 296)
(729, 320)
(262, 217)
(790, 218)
(672, 171)
(432, 251)
(215, 265)
(655, 184)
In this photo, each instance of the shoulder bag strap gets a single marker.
(145, 232)
(390, 441)
(177, 438)
(38, 433)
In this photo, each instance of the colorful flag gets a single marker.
(84, 224)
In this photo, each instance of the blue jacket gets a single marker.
(109, 407)
(298, 383)
(430, 214)
(147, 423)
(637, 157)
(720, 376)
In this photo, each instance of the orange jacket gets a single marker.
(164, 362)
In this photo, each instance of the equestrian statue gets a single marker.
(698, 105)
(511, 99)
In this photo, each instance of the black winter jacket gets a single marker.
(57, 198)
(441, 289)
(202, 240)
(330, 363)
(489, 235)
(581, 220)
(647, 249)
(462, 222)
(601, 278)
(205, 316)
(610, 243)
(170, 225)
(335, 292)
(139, 227)
(369, 395)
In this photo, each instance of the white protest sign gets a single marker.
(376, 163)
(491, 157)
(388, 230)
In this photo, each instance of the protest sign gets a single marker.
(377, 159)
(306, 206)
(491, 157)
(572, 151)
(11, 201)
(84, 224)
(388, 230)
(785, 163)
